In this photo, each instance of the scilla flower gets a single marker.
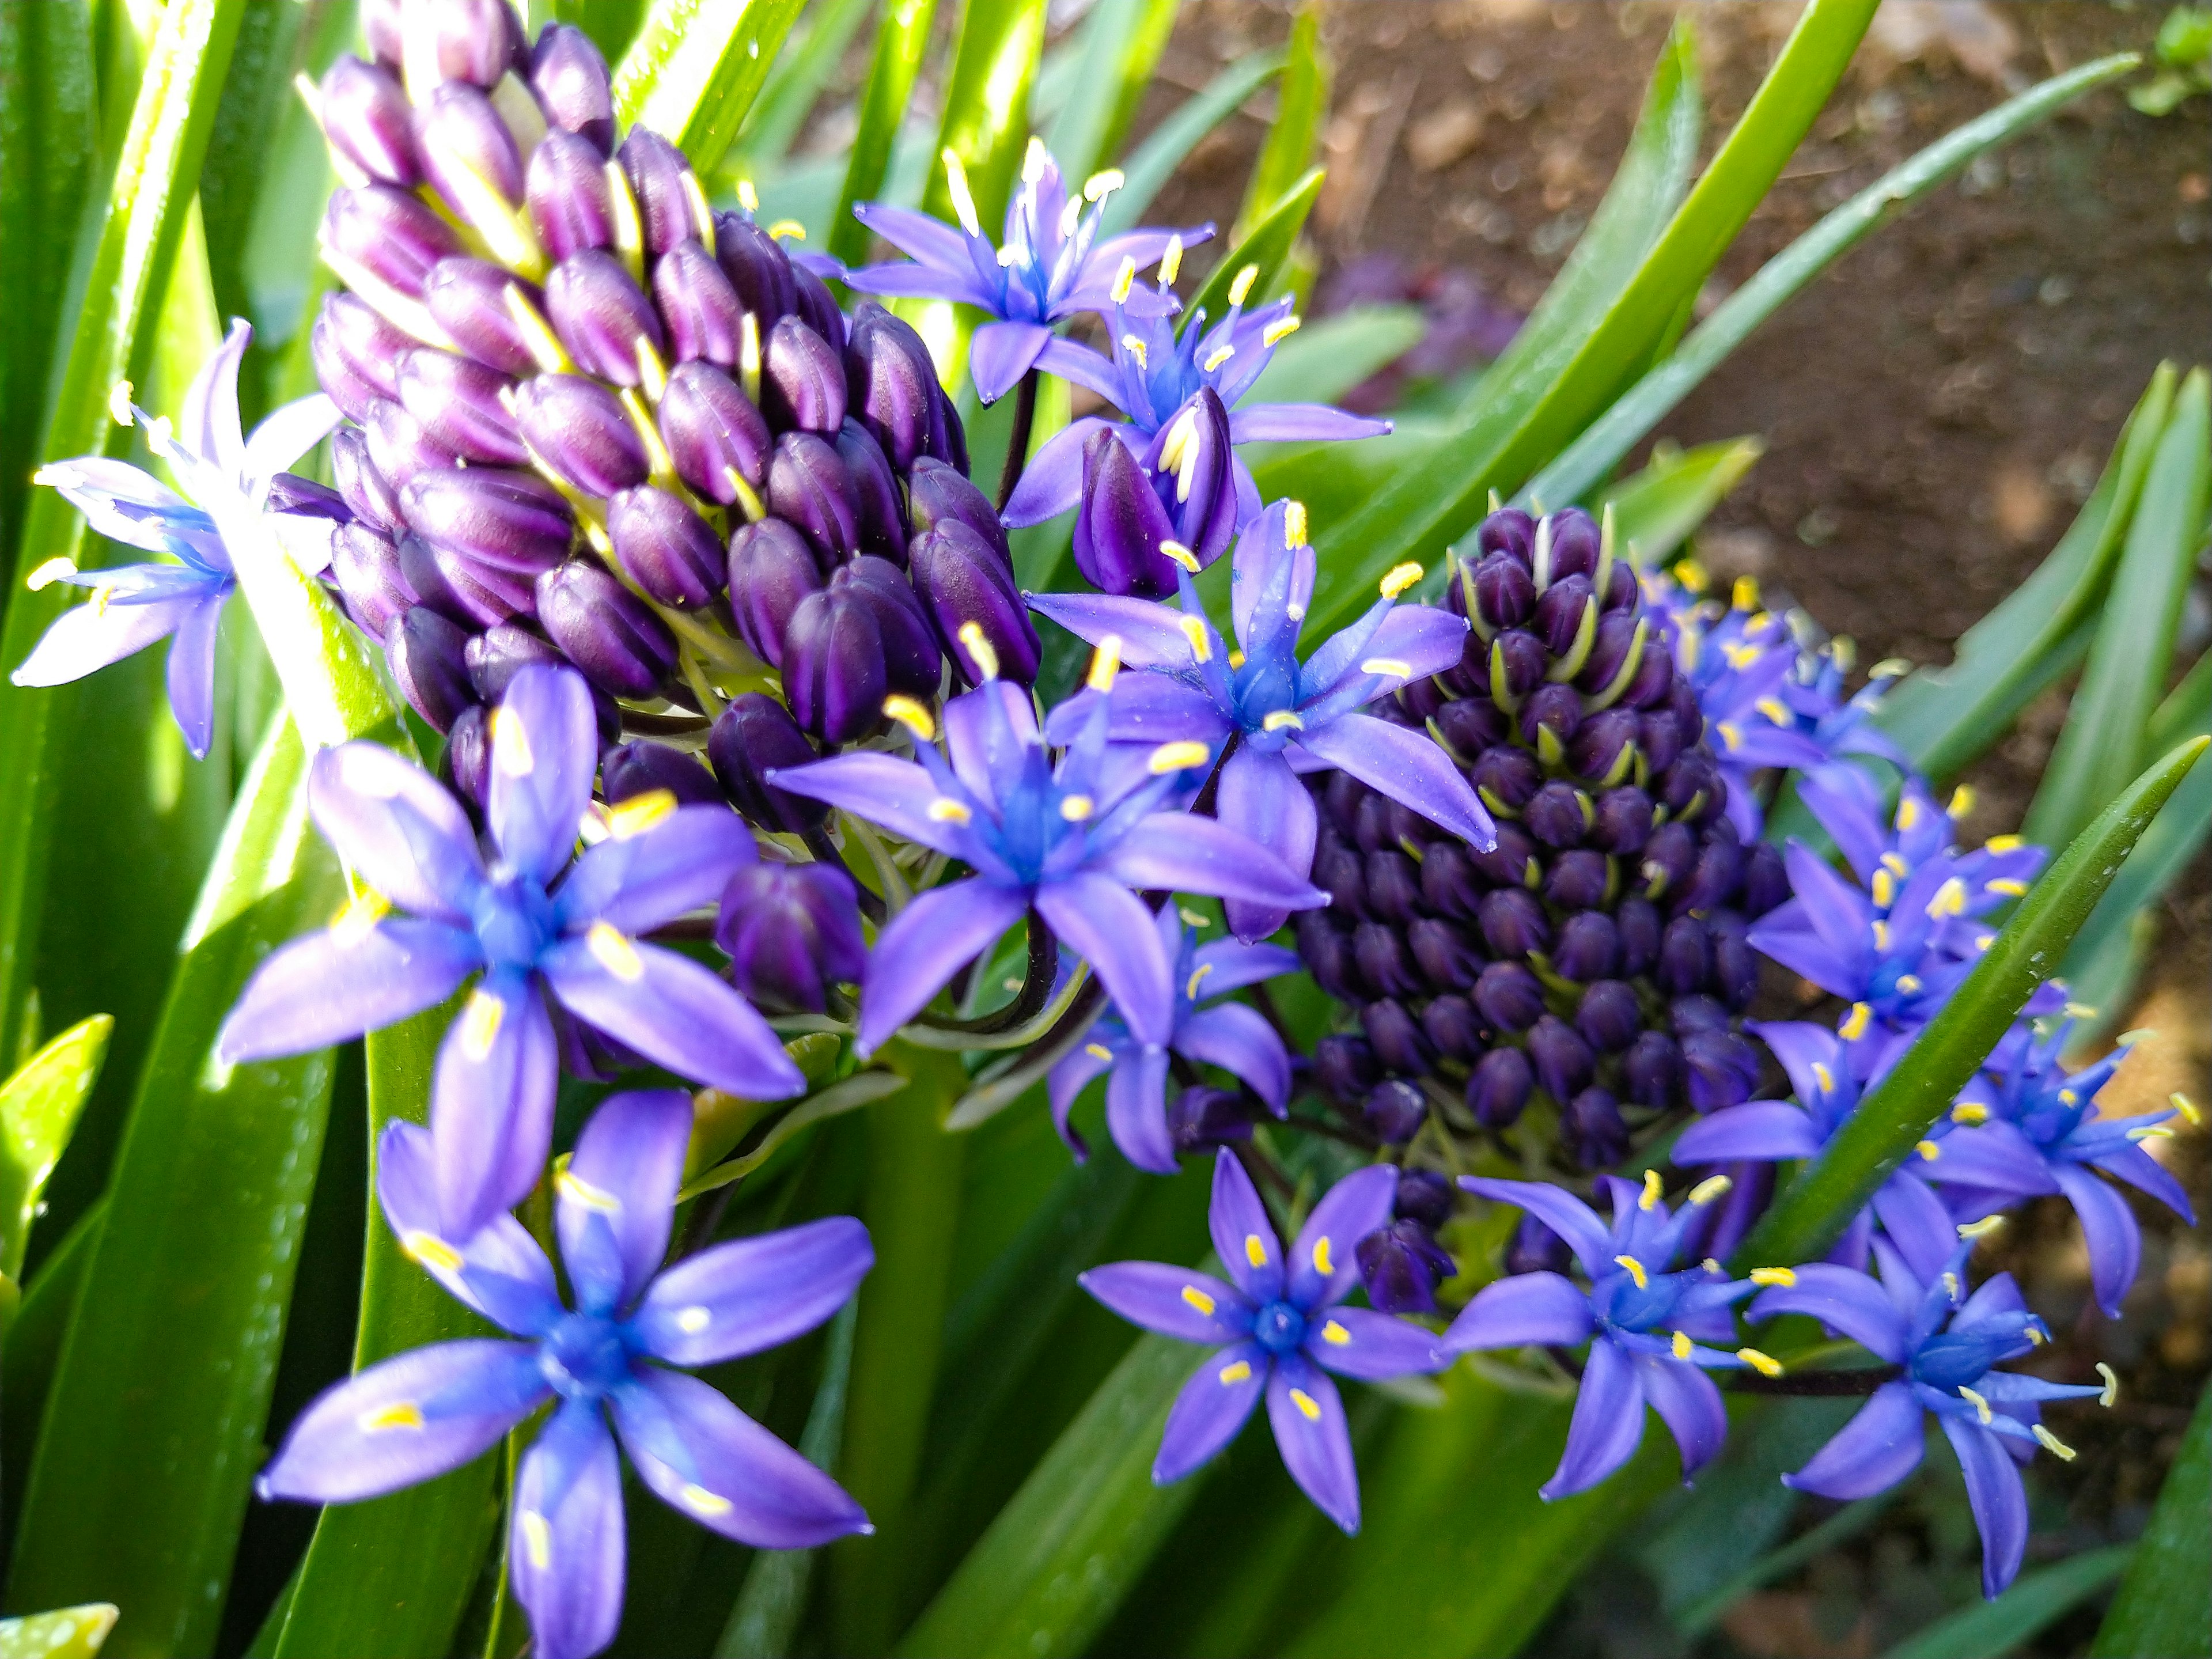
(623, 1350)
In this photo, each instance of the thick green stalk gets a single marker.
(2164, 1609)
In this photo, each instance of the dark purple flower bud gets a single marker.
(1424, 1197)
(468, 297)
(1372, 827)
(303, 498)
(473, 593)
(389, 233)
(1509, 530)
(475, 40)
(1624, 820)
(1561, 612)
(1577, 880)
(1397, 1038)
(1341, 871)
(1660, 738)
(1654, 681)
(755, 736)
(1504, 594)
(1470, 676)
(1506, 864)
(1345, 1068)
(366, 491)
(495, 656)
(1723, 1069)
(1765, 881)
(1201, 1118)
(1508, 778)
(1640, 926)
(1418, 701)
(790, 931)
(1394, 886)
(1563, 1061)
(802, 379)
(1537, 1249)
(1592, 1131)
(818, 308)
(459, 405)
(757, 268)
(1558, 815)
(1451, 1023)
(582, 434)
(1470, 725)
(365, 563)
(712, 430)
(771, 570)
(1509, 996)
(1449, 883)
(1326, 950)
(424, 650)
(1588, 947)
(1380, 953)
(1401, 1266)
(465, 144)
(1520, 658)
(1395, 1110)
(882, 516)
(400, 449)
(1610, 1017)
(1653, 1070)
(1735, 965)
(1514, 923)
(1498, 1087)
(465, 766)
(656, 170)
(606, 630)
(890, 383)
(936, 493)
(1340, 795)
(911, 662)
(834, 673)
(572, 86)
(1598, 747)
(1621, 590)
(1575, 542)
(1719, 872)
(601, 315)
(1192, 450)
(962, 582)
(571, 201)
(1443, 953)
(368, 119)
(1610, 652)
(666, 548)
(1694, 789)
(1692, 1014)
(810, 488)
(1668, 858)
(1558, 708)
(632, 770)
(1686, 957)
(508, 520)
(699, 306)
(355, 345)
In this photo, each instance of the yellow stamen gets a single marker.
(1399, 578)
(1238, 1371)
(1033, 160)
(536, 1540)
(911, 715)
(1240, 285)
(1177, 756)
(787, 230)
(1745, 596)
(357, 918)
(1908, 983)
(1856, 1023)
(945, 810)
(481, 1017)
(2112, 1384)
(614, 952)
(430, 1250)
(1171, 261)
(1951, 1286)
(1765, 1364)
(1215, 359)
(1198, 1298)
(1653, 1186)
(2009, 887)
(1390, 668)
(1279, 330)
(629, 819)
(1774, 709)
(1682, 1344)
(748, 355)
(1635, 1271)
(1884, 888)
(1099, 184)
(1197, 974)
(1077, 808)
(1320, 1257)
(2003, 844)
(1182, 554)
(1908, 813)
(1124, 280)
(1194, 917)
(1982, 1229)
(1336, 1335)
(981, 654)
(748, 198)
(1710, 1188)
(1950, 900)
(1255, 1249)
(1097, 1051)
(577, 1190)
(1970, 1111)
(693, 1320)
(118, 402)
(2188, 1109)
(699, 1501)
(52, 571)
(2151, 1132)
(1306, 1403)
(955, 185)
(1784, 1277)
(1279, 719)
(1135, 348)
(1927, 1149)
(510, 744)
(2052, 1444)
(399, 1414)
(1962, 801)
(1980, 1404)
(1105, 664)
(1882, 935)
(1294, 523)
(1194, 629)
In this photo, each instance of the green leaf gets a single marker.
(1890, 1121)
(1655, 511)
(1263, 252)
(1326, 358)
(139, 230)
(39, 1109)
(2032, 1604)
(136, 1493)
(693, 72)
(901, 39)
(70, 1633)
(1153, 162)
(1119, 48)
(796, 82)
(612, 24)
(33, 1343)
(1301, 106)
(2107, 724)
(2164, 1609)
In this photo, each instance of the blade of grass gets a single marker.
(1263, 251)
(1301, 106)
(1119, 45)
(2032, 1605)
(695, 66)
(1153, 162)
(2164, 1609)
(1656, 509)
(612, 24)
(796, 82)
(901, 38)
(38, 1107)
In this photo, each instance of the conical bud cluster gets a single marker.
(1588, 973)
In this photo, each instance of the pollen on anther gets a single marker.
(979, 650)
(1980, 1404)
(1765, 1364)
(629, 819)
(1076, 809)
(699, 1501)
(1399, 578)
(1240, 286)
(1198, 1298)
(480, 1018)
(1177, 756)
(1097, 1051)
(1235, 1372)
(911, 715)
(1321, 1261)
(1635, 1271)
(1197, 978)
(1982, 1229)
(1336, 1335)
(1307, 1405)
(1256, 1250)
(2112, 1384)
(1278, 720)
(1105, 664)
(1711, 1189)
(693, 1320)
(399, 1414)
(944, 809)
(1182, 556)
(536, 1539)
(1194, 629)
(1682, 1344)
(1783, 1276)
(613, 952)
(577, 1190)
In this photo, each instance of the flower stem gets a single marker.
(1018, 442)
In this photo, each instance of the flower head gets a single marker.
(621, 1349)
(1276, 1328)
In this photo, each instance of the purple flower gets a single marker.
(1068, 843)
(528, 931)
(1647, 1327)
(1919, 1318)
(624, 1348)
(1155, 377)
(1288, 717)
(1274, 1330)
(2034, 1129)
(226, 478)
(1050, 267)
(1229, 1034)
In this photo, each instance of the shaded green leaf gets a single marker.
(1153, 162)
(987, 102)
(612, 24)
(1327, 358)
(33, 1343)
(2164, 1609)
(695, 67)
(901, 39)
(1263, 252)
(1656, 510)
(38, 1107)
(797, 81)
(1119, 45)
(70, 1633)
(1294, 137)
(2035, 1601)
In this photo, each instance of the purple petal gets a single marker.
(916, 235)
(674, 1013)
(288, 432)
(1562, 1212)
(1240, 1041)
(2147, 1175)
(333, 986)
(1306, 1415)
(919, 281)
(613, 1202)
(1150, 633)
(406, 1420)
(1244, 1236)
(190, 673)
(1171, 851)
(1801, 1045)
(1607, 1424)
(1155, 708)
(545, 747)
(1066, 1084)
(1082, 366)
(924, 946)
(1426, 639)
(1108, 927)
(397, 830)
(1759, 1131)
(1052, 483)
(491, 1104)
(1324, 1262)
(1998, 1499)
(1804, 953)
(1137, 1112)
(1191, 1307)
(1299, 424)
(1836, 909)
(126, 504)
(502, 1274)
(707, 1459)
(1361, 1343)
(1689, 1405)
(1994, 1156)
(753, 1294)
(1846, 1301)
(1536, 1309)
(636, 884)
(1261, 799)
(989, 735)
(1001, 353)
(565, 1544)
(1916, 1222)
(1407, 766)
(1211, 1408)
(896, 793)
(1230, 965)
(90, 636)
(2110, 1230)
(1878, 1447)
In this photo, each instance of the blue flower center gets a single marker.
(1620, 1301)
(1279, 1328)
(584, 1357)
(514, 922)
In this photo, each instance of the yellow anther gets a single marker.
(1970, 1111)
(1765, 1364)
(2188, 1109)
(1240, 285)
(942, 809)
(1198, 1298)
(1399, 578)
(693, 1320)
(629, 819)
(2151, 1132)
(1711, 1265)
(1171, 261)
(1927, 1149)
(1194, 629)
(1071, 216)
(1306, 1403)
(118, 402)
(1775, 710)
(2052, 1443)
(1216, 357)
(1336, 1335)
(1950, 900)
(1255, 1249)
(1177, 756)
(955, 185)
(399, 1414)
(1136, 348)
(1197, 974)
(1712, 1188)
(1182, 556)
(2112, 1384)
(1691, 575)
(913, 715)
(1856, 1023)
(481, 1017)
(1962, 801)
(1825, 1078)
(538, 339)
(1236, 657)
(1880, 935)
(1653, 1186)
(429, 1251)
(1682, 1344)
(1124, 280)
(2008, 886)
(536, 1540)
(1980, 1404)
(1635, 1271)
(1294, 523)
(1279, 330)
(1099, 183)
(1077, 808)
(1952, 1288)
(1731, 735)
(52, 571)
(1745, 595)
(1908, 813)
(1322, 1265)
(614, 952)
(510, 744)
(1982, 1229)
(980, 653)
(1389, 668)
(577, 1190)
(748, 198)
(1105, 664)
(1235, 1373)
(1196, 919)
(1884, 888)
(697, 1499)
(1909, 983)
(1097, 1051)
(2003, 844)
(1280, 719)
(1784, 1277)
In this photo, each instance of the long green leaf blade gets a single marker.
(1154, 161)
(38, 1107)
(901, 38)
(68, 1633)
(1121, 46)
(1301, 106)
(695, 68)
(1263, 252)
(2164, 1609)
(1656, 510)
(2023, 1612)
(796, 82)
(1881, 1135)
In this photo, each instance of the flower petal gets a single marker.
(708, 1461)
(1607, 1424)
(1561, 1210)
(1759, 1131)
(1306, 1415)
(1211, 1408)
(207, 421)
(566, 1544)
(924, 946)
(1150, 633)
(2110, 1230)
(545, 748)
(1137, 1108)
(1178, 1301)
(1997, 1498)
(1361, 1343)
(1052, 484)
(87, 637)
(1067, 1080)
(1082, 366)
(1001, 353)
(752, 1294)
(126, 504)
(915, 234)
(1536, 1309)
(1407, 766)
(1844, 1300)
(674, 1013)
(1993, 1156)
(397, 830)
(1244, 1235)
(1109, 928)
(640, 883)
(1300, 423)
(1240, 1041)
(1878, 1447)
(881, 789)
(1261, 799)
(991, 738)
(1916, 1222)
(1186, 854)
(1689, 1405)
(613, 1202)
(491, 1103)
(333, 986)
(1230, 965)
(1323, 1263)
(190, 675)
(285, 435)
(501, 1272)
(1426, 639)
(2147, 1175)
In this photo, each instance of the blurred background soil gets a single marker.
(1935, 409)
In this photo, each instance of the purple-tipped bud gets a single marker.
(1654, 680)
(1555, 708)
(1577, 880)
(890, 384)
(1498, 1088)
(1397, 1038)
(1341, 871)
(1723, 1069)
(1326, 950)
(460, 406)
(1620, 592)
(1509, 531)
(581, 432)
(366, 491)
(755, 736)
(424, 650)
(632, 770)
(802, 379)
(1563, 1061)
(1521, 658)
(1451, 1023)
(1660, 737)
(365, 563)
(1443, 954)
(1424, 1197)
(571, 201)
(601, 315)
(1345, 1068)
(1371, 825)
(1401, 1264)
(572, 86)
(790, 931)
(1514, 923)
(495, 656)
(1610, 1017)
(666, 548)
(1592, 1130)
(1537, 1249)
(1470, 726)
(456, 586)
(401, 449)
(1509, 996)
(712, 429)
(1692, 1014)
(1395, 1110)
(810, 487)
(757, 268)
(606, 630)
(1504, 593)
(1506, 864)
(463, 143)
(818, 308)
(1735, 965)
(389, 233)
(1686, 957)
(466, 767)
(1558, 814)
(508, 520)
(474, 41)
(295, 497)
(771, 569)
(367, 118)
(1201, 1118)
(469, 299)
(380, 28)
(1588, 948)
(356, 346)
(1610, 651)
(911, 662)
(834, 674)
(1393, 882)
(880, 514)
(1668, 858)
(1641, 926)
(1624, 820)
(1718, 873)
(1379, 953)
(656, 170)
(961, 580)
(1190, 457)
(699, 306)
(1560, 612)
(1765, 880)
(1340, 797)
(1599, 742)
(1575, 544)
(1449, 883)
(1653, 1070)
(1417, 702)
